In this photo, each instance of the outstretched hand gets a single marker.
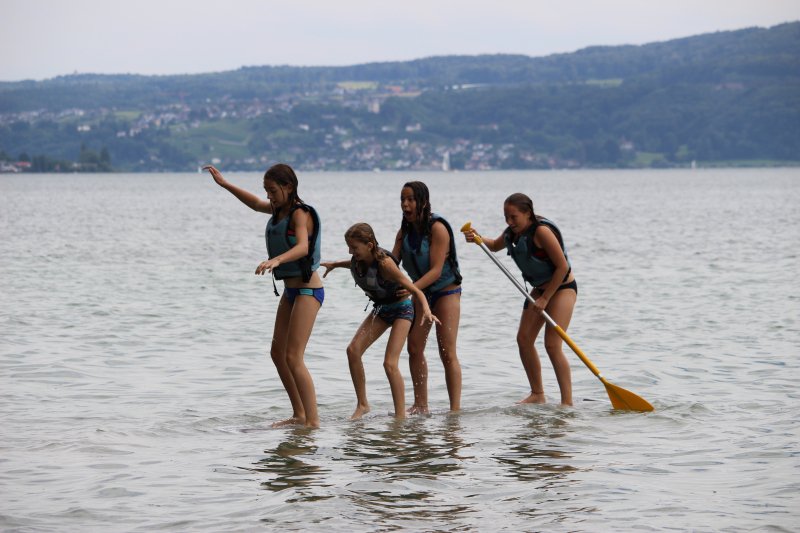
(216, 174)
(469, 234)
(328, 267)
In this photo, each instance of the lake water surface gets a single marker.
(136, 391)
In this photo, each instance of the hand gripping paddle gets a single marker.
(620, 398)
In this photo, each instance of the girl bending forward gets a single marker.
(377, 273)
(537, 248)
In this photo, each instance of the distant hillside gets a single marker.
(721, 97)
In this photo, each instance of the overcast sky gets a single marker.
(45, 38)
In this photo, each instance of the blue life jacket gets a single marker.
(280, 240)
(416, 256)
(379, 290)
(537, 268)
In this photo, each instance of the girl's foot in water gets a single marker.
(534, 397)
(418, 410)
(360, 411)
(294, 421)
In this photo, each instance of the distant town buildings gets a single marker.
(331, 141)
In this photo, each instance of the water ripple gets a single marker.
(137, 395)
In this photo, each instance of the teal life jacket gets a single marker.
(280, 239)
(537, 268)
(416, 256)
(379, 290)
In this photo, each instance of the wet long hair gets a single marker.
(283, 174)
(423, 198)
(524, 203)
(363, 233)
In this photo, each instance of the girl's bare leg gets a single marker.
(278, 352)
(368, 332)
(560, 309)
(417, 338)
(448, 310)
(304, 313)
(391, 360)
(530, 324)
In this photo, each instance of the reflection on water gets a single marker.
(406, 449)
(405, 474)
(286, 468)
(536, 461)
(533, 454)
(404, 467)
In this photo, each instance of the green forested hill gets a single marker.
(722, 97)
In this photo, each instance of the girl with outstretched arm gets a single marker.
(293, 238)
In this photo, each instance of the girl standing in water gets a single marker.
(426, 245)
(377, 273)
(293, 237)
(537, 248)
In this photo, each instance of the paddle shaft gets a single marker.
(548, 319)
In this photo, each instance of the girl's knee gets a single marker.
(553, 343)
(553, 349)
(391, 368)
(353, 354)
(294, 362)
(448, 357)
(524, 339)
(278, 356)
(416, 349)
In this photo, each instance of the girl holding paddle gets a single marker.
(537, 248)
(293, 244)
(426, 245)
(377, 273)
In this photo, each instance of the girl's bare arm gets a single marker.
(330, 265)
(494, 245)
(390, 272)
(249, 199)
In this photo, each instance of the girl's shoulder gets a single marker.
(540, 229)
(386, 259)
(303, 213)
(545, 228)
(440, 226)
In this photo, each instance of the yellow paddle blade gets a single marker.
(625, 399)
(620, 398)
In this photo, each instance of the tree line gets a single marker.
(721, 97)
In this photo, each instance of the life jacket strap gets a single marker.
(274, 287)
